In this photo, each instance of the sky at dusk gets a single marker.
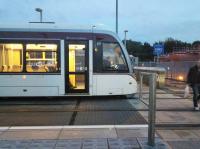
(146, 20)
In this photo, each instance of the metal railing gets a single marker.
(152, 77)
(158, 70)
(176, 70)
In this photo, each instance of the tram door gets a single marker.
(76, 66)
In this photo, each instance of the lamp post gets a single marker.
(40, 11)
(93, 27)
(125, 33)
(117, 16)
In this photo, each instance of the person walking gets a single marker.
(193, 80)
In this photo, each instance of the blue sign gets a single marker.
(158, 49)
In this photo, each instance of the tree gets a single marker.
(196, 44)
(171, 45)
(138, 49)
(145, 51)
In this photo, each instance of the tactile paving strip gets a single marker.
(185, 144)
(109, 118)
(159, 144)
(72, 144)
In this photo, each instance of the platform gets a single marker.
(122, 120)
(77, 137)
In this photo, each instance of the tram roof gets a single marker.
(38, 27)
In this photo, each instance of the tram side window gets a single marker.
(41, 58)
(97, 57)
(11, 57)
(113, 58)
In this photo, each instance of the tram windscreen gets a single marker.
(113, 58)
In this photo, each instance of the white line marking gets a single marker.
(74, 127)
(4, 128)
(131, 126)
(36, 127)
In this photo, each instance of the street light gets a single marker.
(117, 16)
(40, 11)
(93, 27)
(41, 18)
(125, 33)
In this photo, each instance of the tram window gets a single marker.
(77, 81)
(97, 57)
(41, 58)
(11, 57)
(77, 58)
(113, 58)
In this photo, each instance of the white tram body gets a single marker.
(63, 62)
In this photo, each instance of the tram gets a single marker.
(52, 61)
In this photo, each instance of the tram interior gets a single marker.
(39, 57)
(11, 57)
(77, 66)
(43, 58)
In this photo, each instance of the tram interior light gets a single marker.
(41, 46)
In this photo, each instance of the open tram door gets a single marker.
(77, 67)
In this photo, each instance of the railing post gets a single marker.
(141, 82)
(152, 109)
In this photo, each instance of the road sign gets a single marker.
(158, 49)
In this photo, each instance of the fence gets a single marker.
(174, 70)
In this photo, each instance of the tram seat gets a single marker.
(51, 68)
(16, 68)
(4, 68)
(42, 69)
(1, 69)
(12, 68)
(36, 69)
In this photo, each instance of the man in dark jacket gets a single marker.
(193, 80)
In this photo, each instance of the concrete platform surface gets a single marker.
(126, 143)
(83, 137)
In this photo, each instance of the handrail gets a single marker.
(150, 69)
(152, 76)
